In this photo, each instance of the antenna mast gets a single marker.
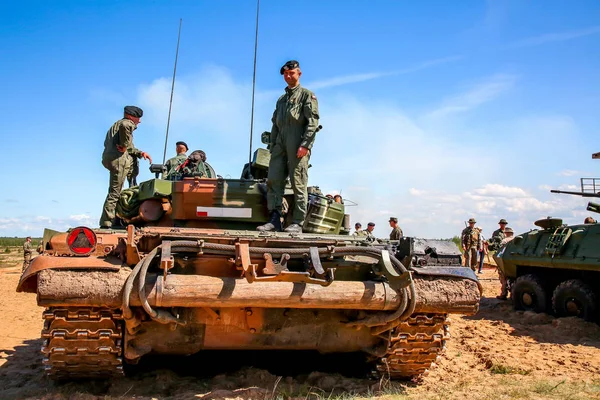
(253, 82)
(172, 89)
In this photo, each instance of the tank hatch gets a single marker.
(548, 223)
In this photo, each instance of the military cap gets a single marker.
(393, 219)
(358, 224)
(472, 221)
(182, 144)
(509, 230)
(292, 64)
(503, 221)
(133, 111)
(371, 224)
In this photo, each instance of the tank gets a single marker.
(188, 273)
(556, 268)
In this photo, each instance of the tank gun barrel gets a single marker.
(582, 194)
(593, 207)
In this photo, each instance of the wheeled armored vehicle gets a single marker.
(189, 273)
(556, 268)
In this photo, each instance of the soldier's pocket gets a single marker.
(295, 112)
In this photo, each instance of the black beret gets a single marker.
(182, 144)
(371, 224)
(292, 64)
(133, 111)
(357, 224)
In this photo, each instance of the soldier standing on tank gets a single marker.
(118, 146)
(494, 244)
(295, 123)
(471, 243)
(396, 232)
(27, 250)
(172, 163)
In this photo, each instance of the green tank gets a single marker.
(556, 268)
(188, 272)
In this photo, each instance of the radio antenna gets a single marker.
(253, 83)
(172, 89)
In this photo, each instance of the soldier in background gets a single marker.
(172, 163)
(116, 158)
(295, 123)
(27, 250)
(471, 243)
(358, 230)
(396, 232)
(589, 220)
(495, 243)
(482, 251)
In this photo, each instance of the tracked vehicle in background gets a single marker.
(556, 268)
(188, 273)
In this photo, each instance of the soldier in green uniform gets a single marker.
(369, 231)
(118, 147)
(172, 163)
(396, 232)
(27, 250)
(358, 230)
(295, 123)
(471, 243)
(494, 244)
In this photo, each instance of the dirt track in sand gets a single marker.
(499, 353)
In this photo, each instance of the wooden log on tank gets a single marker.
(104, 289)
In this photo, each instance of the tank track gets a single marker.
(82, 343)
(414, 346)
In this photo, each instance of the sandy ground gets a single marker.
(497, 354)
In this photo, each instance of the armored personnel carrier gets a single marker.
(189, 273)
(556, 268)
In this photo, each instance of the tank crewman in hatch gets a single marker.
(118, 145)
(369, 231)
(396, 232)
(172, 163)
(27, 250)
(471, 243)
(358, 230)
(295, 123)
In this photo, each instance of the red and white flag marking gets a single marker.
(231, 212)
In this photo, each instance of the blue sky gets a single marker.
(432, 111)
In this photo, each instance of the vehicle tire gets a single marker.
(528, 294)
(573, 298)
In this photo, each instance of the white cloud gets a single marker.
(355, 78)
(497, 190)
(481, 93)
(556, 37)
(571, 172)
(416, 192)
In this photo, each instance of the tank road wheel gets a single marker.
(573, 298)
(528, 294)
(82, 343)
(415, 345)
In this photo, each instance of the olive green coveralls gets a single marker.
(295, 121)
(118, 164)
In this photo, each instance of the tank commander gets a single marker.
(295, 123)
(589, 220)
(118, 146)
(396, 232)
(172, 163)
(27, 250)
(471, 243)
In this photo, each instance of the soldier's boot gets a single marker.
(274, 223)
(293, 228)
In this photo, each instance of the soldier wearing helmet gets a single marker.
(471, 243)
(295, 123)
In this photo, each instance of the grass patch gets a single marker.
(502, 369)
